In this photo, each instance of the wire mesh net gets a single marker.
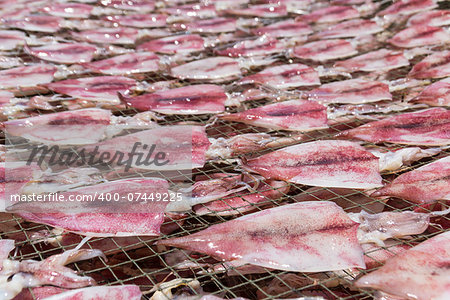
(137, 260)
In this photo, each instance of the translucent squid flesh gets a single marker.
(97, 89)
(436, 94)
(18, 275)
(328, 163)
(351, 91)
(419, 273)
(97, 219)
(67, 53)
(301, 237)
(429, 127)
(436, 65)
(423, 185)
(284, 76)
(294, 115)
(395, 160)
(375, 228)
(193, 99)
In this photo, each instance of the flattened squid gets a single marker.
(426, 184)
(99, 217)
(63, 128)
(99, 89)
(294, 115)
(184, 147)
(429, 127)
(300, 237)
(421, 272)
(192, 99)
(328, 163)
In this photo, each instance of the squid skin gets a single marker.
(436, 65)
(183, 44)
(27, 76)
(130, 63)
(138, 20)
(325, 50)
(300, 237)
(284, 77)
(39, 23)
(436, 94)
(407, 7)
(430, 127)
(68, 53)
(288, 28)
(193, 99)
(420, 35)
(421, 272)
(426, 184)
(97, 219)
(328, 163)
(431, 18)
(353, 91)
(263, 11)
(294, 115)
(350, 28)
(79, 127)
(375, 61)
(212, 69)
(10, 39)
(264, 45)
(330, 14)
(184, 147)
(120, 35)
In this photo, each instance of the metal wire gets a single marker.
(138, 261)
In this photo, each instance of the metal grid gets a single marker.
(140, 262)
